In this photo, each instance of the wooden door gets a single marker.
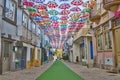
(117, 46)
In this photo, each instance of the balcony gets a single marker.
(111, 5)
(95, 15)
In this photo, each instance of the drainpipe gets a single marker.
(0, 35)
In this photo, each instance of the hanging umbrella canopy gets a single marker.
(77, 2)
(54, 18)
(38, 1)
(53, 12)
(41, 6)
(52, 4)
(86, 10)
(65, 12)
(34, 14)
(45, 16)
(64, 22)
(31, 9)
(75, 9)
(64, 6)
(64, 18)
(63, 0)
(43, 12)
(28, 3)
(38, 18)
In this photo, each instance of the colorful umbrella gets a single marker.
(38, 1)
(31, 9)
(77, 2)
(64, 22)
(64, 18)
(28, 3)
(43, 12)
(34, 14)
(64, 6)
(63, 0)
(75, 9)
(53, 12)
(52, 4)
(54, 18)
(65, 12)
(41, 6)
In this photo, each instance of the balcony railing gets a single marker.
(95, 15)
(111, 5)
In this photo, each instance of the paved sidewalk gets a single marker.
(83, 71)
(26, 74)
(92, 73)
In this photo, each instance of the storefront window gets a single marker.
(10, 8)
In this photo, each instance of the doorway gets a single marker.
(6, 56)
(117, 46)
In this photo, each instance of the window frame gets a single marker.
(24, 13)
(15, 15)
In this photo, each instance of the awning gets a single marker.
(28, 45)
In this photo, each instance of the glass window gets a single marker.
(99, 42)
(117, 22)
(10, 8)
(25, 19)
(108, 43)
(33, 27)
(6, 49)
(30, 24)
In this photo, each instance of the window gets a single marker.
(108, 44)
(30, 24)
(117, 22)
(33, 27)
(99, 43)
(10, 10)
(25, 19)
(107, 37)
(104, 41)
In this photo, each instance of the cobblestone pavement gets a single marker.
(26, 74)
(92, 73)
(86, 73)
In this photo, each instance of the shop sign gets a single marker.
(117, 14)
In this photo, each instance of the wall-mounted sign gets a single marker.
(117, 14)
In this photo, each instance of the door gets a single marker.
(117, 46)
(91, 50)
(6, 54)
(23, 58)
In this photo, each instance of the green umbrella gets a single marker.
(53, 12)
(31, 9)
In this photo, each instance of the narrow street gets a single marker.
(83, 71)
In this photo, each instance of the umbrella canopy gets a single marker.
(77, 2)
(53, 12)
(28, 3)
(41, 6)
(64, 18)
(75, 9)
(31, 9)
(54, 18)
(65, 12)
(52, 4)
(43, 12)
(64, 6)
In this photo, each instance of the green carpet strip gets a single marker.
(59, 71)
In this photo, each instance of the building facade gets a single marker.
(20, 38)
(106, 24)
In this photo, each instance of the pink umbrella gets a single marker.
(75, 9)
(65, 12)
(52, 4)
(64, 6)
(64, 18)
(77, 2)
